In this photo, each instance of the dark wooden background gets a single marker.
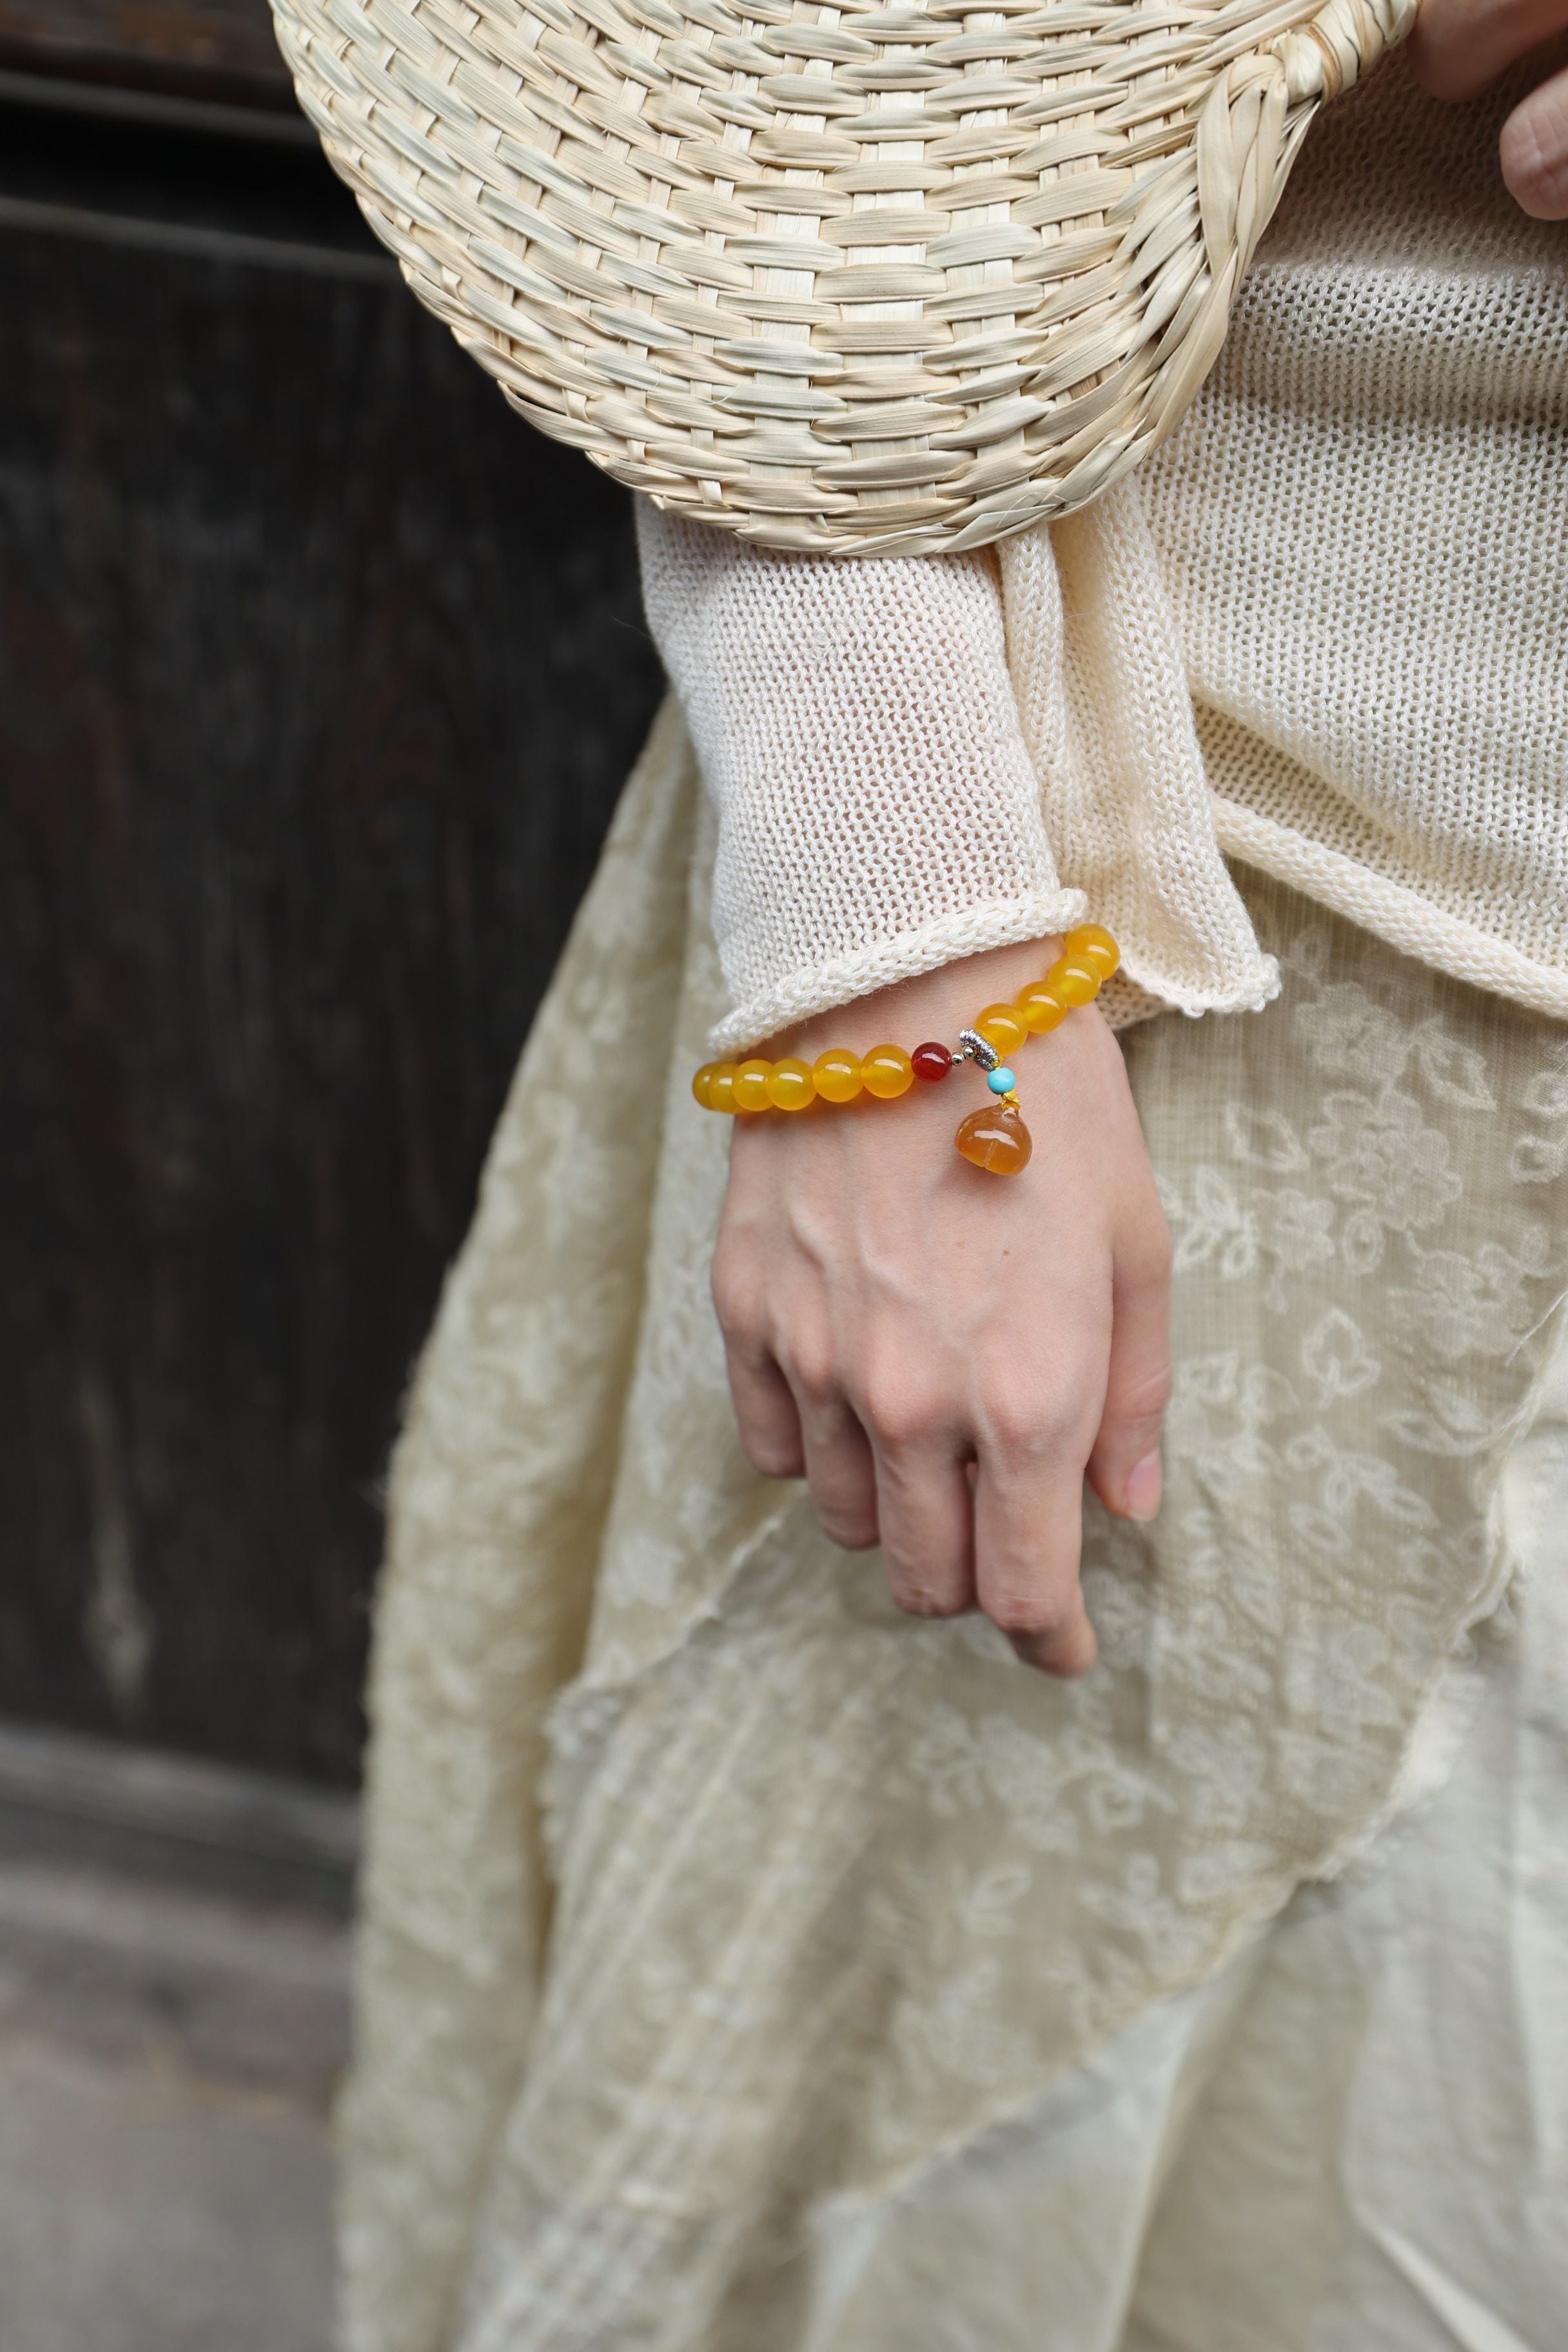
(318, 675)
(220, 50)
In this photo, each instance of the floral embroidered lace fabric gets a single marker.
(703, 1888)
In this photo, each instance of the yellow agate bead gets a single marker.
(1040, 1007)
(888, 1072)
(837, 1075)
(1092, 939)
(792, 1085)
(751, 1086)
(700, 1085)
(1004, 1026)
(721, 1086)
(1074, 978)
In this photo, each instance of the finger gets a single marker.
(1124, 1465)
(927, 1518)
(1460, 47)
(1534, 152)
(840, 1472)
(1029, 1536)
(765, 1412)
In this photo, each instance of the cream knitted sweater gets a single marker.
(1324, 630)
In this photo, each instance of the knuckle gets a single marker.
(850, 1530)
(772, 1458)
(737, 1302)
(919, 1593)
(899, 1411)
(849, 1533)
(1530, 172)
(809, 1368)
(1036, 1427)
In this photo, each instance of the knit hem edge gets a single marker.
(1253, 991)
(905, 956)
(1392, 910)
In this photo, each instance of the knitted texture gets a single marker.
(1363, 526)
(1101, 691)
(1321, 630)
(878, 812)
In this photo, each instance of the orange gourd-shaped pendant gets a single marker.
(996, 1139)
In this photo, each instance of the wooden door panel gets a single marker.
(219, 48)
(318, 675)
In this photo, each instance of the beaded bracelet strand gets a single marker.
(994, 1136)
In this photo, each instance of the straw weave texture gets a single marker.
(855, 279)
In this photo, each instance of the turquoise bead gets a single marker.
(1001, 1080)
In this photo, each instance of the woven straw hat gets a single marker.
(870, 278)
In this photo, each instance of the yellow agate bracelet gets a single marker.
(994, 1138)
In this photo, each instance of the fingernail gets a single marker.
(1142, 1493)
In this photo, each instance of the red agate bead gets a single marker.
(930, 1062)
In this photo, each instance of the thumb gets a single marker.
(1124, 1467)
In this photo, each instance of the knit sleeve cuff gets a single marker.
(878, 812)
(1000, 923)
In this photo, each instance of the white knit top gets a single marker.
(1325, 630)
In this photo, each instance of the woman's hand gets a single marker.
(1458, 47)
(945, 1354)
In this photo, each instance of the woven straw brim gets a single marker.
(860, 279)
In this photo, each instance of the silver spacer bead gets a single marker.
(979, 1049)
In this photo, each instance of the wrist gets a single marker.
(935, 1004)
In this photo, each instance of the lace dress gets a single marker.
(747, 1969)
